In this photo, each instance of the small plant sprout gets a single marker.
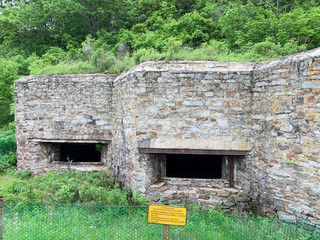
(290, 161)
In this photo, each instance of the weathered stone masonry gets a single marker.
(60, 109)
(259, 121)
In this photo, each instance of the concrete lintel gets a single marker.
(70, 140)
(226, 143)
(193, 151)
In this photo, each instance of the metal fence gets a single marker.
(34, 220)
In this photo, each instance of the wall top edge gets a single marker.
(295, 58)
(193, 66)
(68, 77)
(214, 66)
(181, 67)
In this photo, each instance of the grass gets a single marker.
(112, 218)
(31, 220)
(5, 182)
(70, 68)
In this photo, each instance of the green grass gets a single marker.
(108, 215)
(70, 68)
(30, 220)
(5, 181)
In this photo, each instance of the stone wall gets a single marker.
(286, 132)
(181, 105)
(269, 110)
(60, 109)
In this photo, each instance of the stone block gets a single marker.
(231, 190)
(203, 196)
(286, 217)
(307, 210)
(223, 193)
(211, 191)
(295, 208)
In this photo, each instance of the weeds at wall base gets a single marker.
(67, 187)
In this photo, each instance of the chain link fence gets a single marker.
(34, 220)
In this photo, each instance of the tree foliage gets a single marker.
(70, 36)
(8, 74)
(8, 158)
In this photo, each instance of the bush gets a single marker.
(8, 158)
(53, 56)
(143, 55)
(122, 65)
(23, 174)
(8, 75)
(103, 59)
(58, 61)
(266, 49)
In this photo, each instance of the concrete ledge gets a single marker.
(217, 143)
(194, 151)
(70, 140)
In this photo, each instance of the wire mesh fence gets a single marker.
(34, 220)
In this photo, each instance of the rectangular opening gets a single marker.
(194, 166)
(80, 152)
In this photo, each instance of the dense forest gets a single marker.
(86, 36)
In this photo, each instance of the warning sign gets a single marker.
(167, 215)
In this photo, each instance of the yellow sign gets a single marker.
(167, 215)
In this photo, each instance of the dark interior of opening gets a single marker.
(193, 166)
(80, 152)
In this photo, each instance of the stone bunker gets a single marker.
(214, 133)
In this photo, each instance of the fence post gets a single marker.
(1, 216)
(166, 232)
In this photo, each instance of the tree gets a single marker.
(8, 74)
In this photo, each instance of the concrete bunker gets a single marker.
(259, 119)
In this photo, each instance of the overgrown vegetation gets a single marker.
(77, 36)
(8, 158)
(67, 187)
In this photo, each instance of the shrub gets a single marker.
(8, 158)
(122, 65)
(144, 54)
(23, 174)
(103, 59)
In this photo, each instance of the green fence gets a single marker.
(33, 220)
